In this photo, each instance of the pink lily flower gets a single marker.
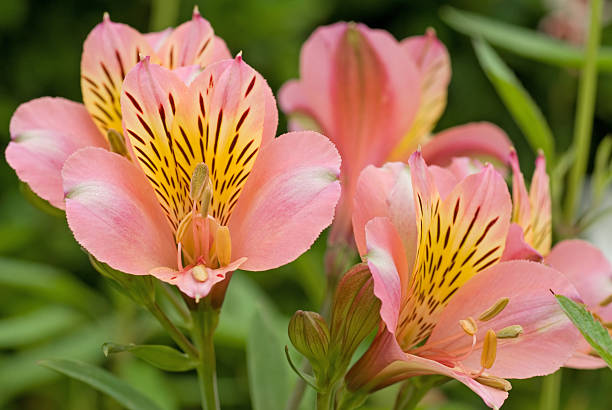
(210, 189)
(449, 305)
(584, 265)
(47, 130)
(378, 99)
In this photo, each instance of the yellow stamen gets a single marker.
(199, 273)
(607, 325)
(469, 326)
(510, 332)
(495, 382)
(606, 301)
(117, 143)
(489, 349)
(223, 245)
(494, 310)
(199, 181)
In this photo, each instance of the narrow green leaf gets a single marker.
(524, 42)
(520, 104)
(37, 325)
(48, 282)
(104, 381)
(160, 356)
(593, 331)
(270, 378)
(19, 372)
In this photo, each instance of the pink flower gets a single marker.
(46, 131)
(378, 99)
(449, 306)
(210, 189)
(583, 264)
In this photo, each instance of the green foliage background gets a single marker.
(52, 303)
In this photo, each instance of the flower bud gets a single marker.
(355, 312)
(309, 334)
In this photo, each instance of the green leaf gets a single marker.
(270, 378)
(37, 325)
(522, 107)
(163, 357)
(19, 372)
(50, 283)
(103, 381)
(593, 331)
(524, 42)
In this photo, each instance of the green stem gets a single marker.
(584, 113)
(551, 387)
(205, 320)
(163, 14)
(176, 335)
(177, 303)
(323, 400)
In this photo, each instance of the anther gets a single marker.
(469, 326)
(495, 382)
(489, 350)
(494, 310)
(199, 273)
(117, 143)
(510, 332)
(606, 301)
(223, 245)
(201, 187)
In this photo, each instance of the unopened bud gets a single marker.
(309, 334)
(510, 332)
(355, 312)
(469, 326)
(489, 350)
(223, 245)
(199, 273)
(117, 143)
(494, 310)
(495, 382)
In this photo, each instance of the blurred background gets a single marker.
(54, 305)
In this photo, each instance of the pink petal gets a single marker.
(385, 363)
(190, 43)
(586, 267)
(582, 360)
(109, 52)
(157, 39)
(113, 213)
(387, 261)
(479, 139)
(516, 247)
(548, 337)
(220, 50)
(44, 133)
(192, 287)
(375, 188)
(361, 89)
(288, 199)
(433, 63)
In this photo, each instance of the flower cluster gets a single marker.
(171, 168)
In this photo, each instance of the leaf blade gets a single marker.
(523, 109)
(593, 331)
(103, 381)
(160, 356)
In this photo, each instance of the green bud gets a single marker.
(355, 314)
(309, 334)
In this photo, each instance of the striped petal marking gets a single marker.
(458, 236)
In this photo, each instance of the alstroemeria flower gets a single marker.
(212, 190)
(378, 99)
(583, 264)
(46, 131)
(449, 306)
